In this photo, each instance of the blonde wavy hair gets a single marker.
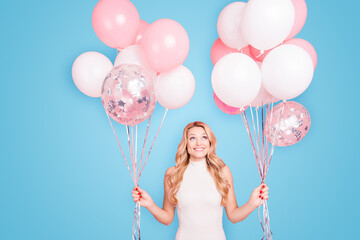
(213, 162)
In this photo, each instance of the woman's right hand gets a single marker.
(140, 195)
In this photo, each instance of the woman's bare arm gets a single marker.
(164, 215)
(233, 211)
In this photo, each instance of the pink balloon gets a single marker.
(287, 123)
(116, 23)
(166, 45)
(128, 94)
(300, 17)
(226, 108)
(306, 46)
(257, 54)
(143, 26)
(219, 49)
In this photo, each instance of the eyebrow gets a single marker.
(204, 134)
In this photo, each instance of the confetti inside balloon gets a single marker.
(287, 123)
(128, 94)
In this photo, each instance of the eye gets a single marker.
(192, 138)
(204, 138)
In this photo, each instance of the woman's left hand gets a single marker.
(258, 195)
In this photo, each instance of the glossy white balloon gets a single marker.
(89, 71)
(175, 88)
(287, 71)
(229, 24)
(236, 79)
(132, 55)
(267, 23)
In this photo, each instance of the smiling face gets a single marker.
(198, 143)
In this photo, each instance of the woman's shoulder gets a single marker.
(226, 171)
(169, 171)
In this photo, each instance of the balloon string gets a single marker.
(261, 53)
(130, 150)
(261, 224)
(246, 123)
(255, 137)
(153, 141)
(127, 164)
(135, 169)
(274, 139)
(145, 140)
(136, 223)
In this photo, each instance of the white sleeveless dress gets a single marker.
(199, 205)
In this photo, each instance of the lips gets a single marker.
(199, 149)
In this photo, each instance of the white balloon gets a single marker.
(267, 23)
(263, 97)
(228, 25)
(236, 79)
(132, 55)
(287, 71)
(175, 88)
(89, 71)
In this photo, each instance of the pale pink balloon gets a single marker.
(143, 26)
(236, 79)
(226, 108)
(229, 25)
(263, 97)
(300, 17)
(287, 71)
(257, 54)
(89, 71)
(175, 88)
(287, 123)
(132, 55)
(267, 23)
(116, 23)
(306, 46)
(219, 49)
(128, 94)
(166, 45)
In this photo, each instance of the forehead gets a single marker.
(196, 131)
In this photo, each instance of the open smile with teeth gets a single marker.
(199, 149)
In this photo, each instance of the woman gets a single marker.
(200, 185)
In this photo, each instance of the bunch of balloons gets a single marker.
(148, 69)
(160, 48)
(257, 62)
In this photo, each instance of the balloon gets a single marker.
(287, 71)
(89, 71)
(257, 54)
(236, 79)
(116, 23)
(306, 46)
(175, 88)
(128, 94)
(166, 45)
(263, 97)
(219, 49)
(287, 123)
(143, 26)
(228, 25)
(226, 108)
(300, 17)
(266, 23)
(132, 55)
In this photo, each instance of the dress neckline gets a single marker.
(198, 163)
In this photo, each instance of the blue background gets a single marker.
(62, 175)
